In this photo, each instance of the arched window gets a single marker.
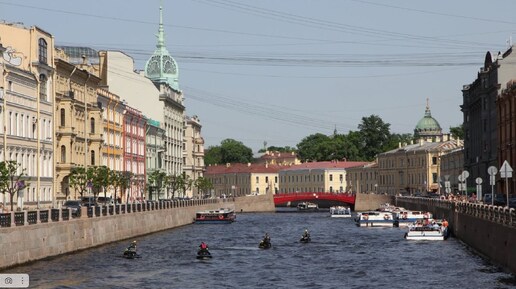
(92, 156)
(42, 44)
(63, 154)
(92, 125)
(63, 114)
(43, 87)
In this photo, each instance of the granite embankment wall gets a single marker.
(366, 202)
(261, 203)
(490, 230)
(23, 243)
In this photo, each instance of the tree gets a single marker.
(285, 149)
(156, 181)
(229, 151)
(203, 186)
(78, 179)
(100, 178)
(314, 147)
(11, 181)
(375, 136)
(395, 139)
(213, 155)
(186, 183)
(457, 131)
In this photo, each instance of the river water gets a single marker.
(340, 255)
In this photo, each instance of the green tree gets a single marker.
(457, 131)
(100, 178)
(286, 149)
(203, 185)
(314, 147)
(395, 139)
(229, 151)
(157, 179)
(375, 136)
(11, 182)
(78, 179)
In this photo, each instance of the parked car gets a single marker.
(88, 201)
(75, 205)
(105, 201)
(499, 200)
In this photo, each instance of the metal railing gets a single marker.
(23, 218)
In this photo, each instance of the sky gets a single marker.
(274, 72)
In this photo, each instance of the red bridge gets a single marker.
(280, 199)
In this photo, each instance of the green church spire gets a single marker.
(161, 67)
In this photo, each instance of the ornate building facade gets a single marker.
(79, 124)
(193, 153)
(27, 115)
(162, 70)
(134, 151)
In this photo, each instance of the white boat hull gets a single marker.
(375, 223)
(423, 236)
(340, 216)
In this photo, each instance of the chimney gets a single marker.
(266, 165)
(399, 145)
(248, 164)
(228, 165)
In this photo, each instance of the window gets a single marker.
(42, 44)
(92, 158)
(63, 114)
(92, 125)
(43, 87)
(434, 160)
(63, 154)
(257, 180)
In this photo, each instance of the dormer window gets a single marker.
(43, 50)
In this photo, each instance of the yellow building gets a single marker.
(112, 129)
(414, 168)
(329, 177)
(362, 179)
(193, 153)
(243, 179)
(78, 122)
(27, 114)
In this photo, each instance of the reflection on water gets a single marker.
(340, 255)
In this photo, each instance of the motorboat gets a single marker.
(305, 239)
(130, 254)
(340, 212)
(203, 254)
(220, 216)
(427, 232)
(265, 244)
(405, 218)
(307, 206)
(375, 219)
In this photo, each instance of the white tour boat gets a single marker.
(427, 232)
(307, 206)
(405, 218)
(374, 219)
(340, 212)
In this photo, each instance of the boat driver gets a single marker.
(203, 246)
(132, 247)
(306, 234)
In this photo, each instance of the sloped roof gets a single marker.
(241, 168)
(325, 165)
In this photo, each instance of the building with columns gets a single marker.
(27, 114)
(193, 153)
(79, 124)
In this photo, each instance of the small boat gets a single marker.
(374, 219)
(307, 206)
(427, 232)
(265, 244)
(203, 254)
(340, 212)
(221, 216)
(305, 239)
(130, 254)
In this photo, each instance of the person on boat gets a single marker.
(445, 223)
(203, 246)
(132, 247)
(306, 234)
(266, 238)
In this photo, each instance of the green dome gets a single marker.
(162, 67)
(428, 126)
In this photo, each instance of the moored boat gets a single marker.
(220, 216)
(374, 219)
(340, 212)
(427, 232)
(307, 206)
(404, 218)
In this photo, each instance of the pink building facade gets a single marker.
(134, 152)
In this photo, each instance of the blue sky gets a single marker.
(277, 71)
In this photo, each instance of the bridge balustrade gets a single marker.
(32, 217)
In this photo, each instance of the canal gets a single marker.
(340, 255)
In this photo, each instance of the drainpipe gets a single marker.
(86, 118)
(4, 95)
